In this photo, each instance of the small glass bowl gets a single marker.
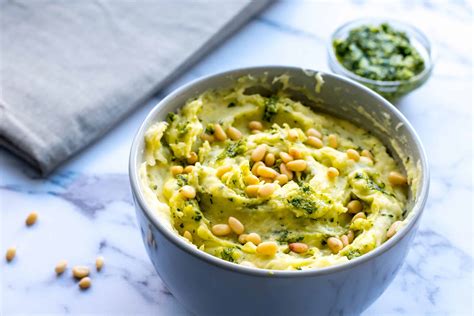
(389, 89)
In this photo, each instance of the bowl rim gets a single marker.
(429, 64)
(173, 238)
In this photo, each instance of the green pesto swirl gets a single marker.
(379, 53)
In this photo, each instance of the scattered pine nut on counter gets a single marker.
(265, 181)
(85, 283)
(60, 267)
(31, 219)
(99, 263)
(80, 272)
(10, 254)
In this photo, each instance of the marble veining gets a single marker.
(85, 208)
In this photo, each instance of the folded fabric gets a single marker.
(70, 70)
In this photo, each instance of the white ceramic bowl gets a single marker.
(207, 285)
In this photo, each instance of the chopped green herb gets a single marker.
(171, 117)
(182, 127)
(197, 217)
(372, 184)
(210, 129)
(288, 237)
(182, 179)
(304, 204)
(233, 149)
(271, 108)
(353, 253)
(227, 253)
(305, 188)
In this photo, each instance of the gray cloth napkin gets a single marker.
(70, 70)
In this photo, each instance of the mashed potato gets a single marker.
(263, 181)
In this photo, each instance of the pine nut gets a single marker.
(314, 133)
(354, 206)
(11, 252)
(345, 240)
(222, 170)
(350, 236)
(188, 169)
(267, 189)
(236, 226)
(366, 153)
(251, 179)
(393, 229)
(221, 229)
(259, 152)
(353, 154)
(285, 157)
(252, 190)
(332, 141)
(188, 192)
(257, 165)
(219, 133)
(295, 152)
(267, 248)
(315, 142)
(254, 238)
(359, 215)
(188, 235)
(80, 272)
(31, 219)
(335, 244)
(192, 158)
(60, 267)
(292, 135)
(298, 247)
(332, 172)
(85, 283)
(207, 137)
(266, 180)
(175, 170)
(267, 172)
(282, 179)
(269, 159)
(242, 238)
(297, 165)
(99, 263)
(284, 170)
(234, 133)
(396, 178)
(255, 125)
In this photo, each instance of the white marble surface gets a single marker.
(85, 207)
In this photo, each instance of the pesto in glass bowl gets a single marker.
(389, 57)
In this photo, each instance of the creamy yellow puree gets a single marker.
(202, 168)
